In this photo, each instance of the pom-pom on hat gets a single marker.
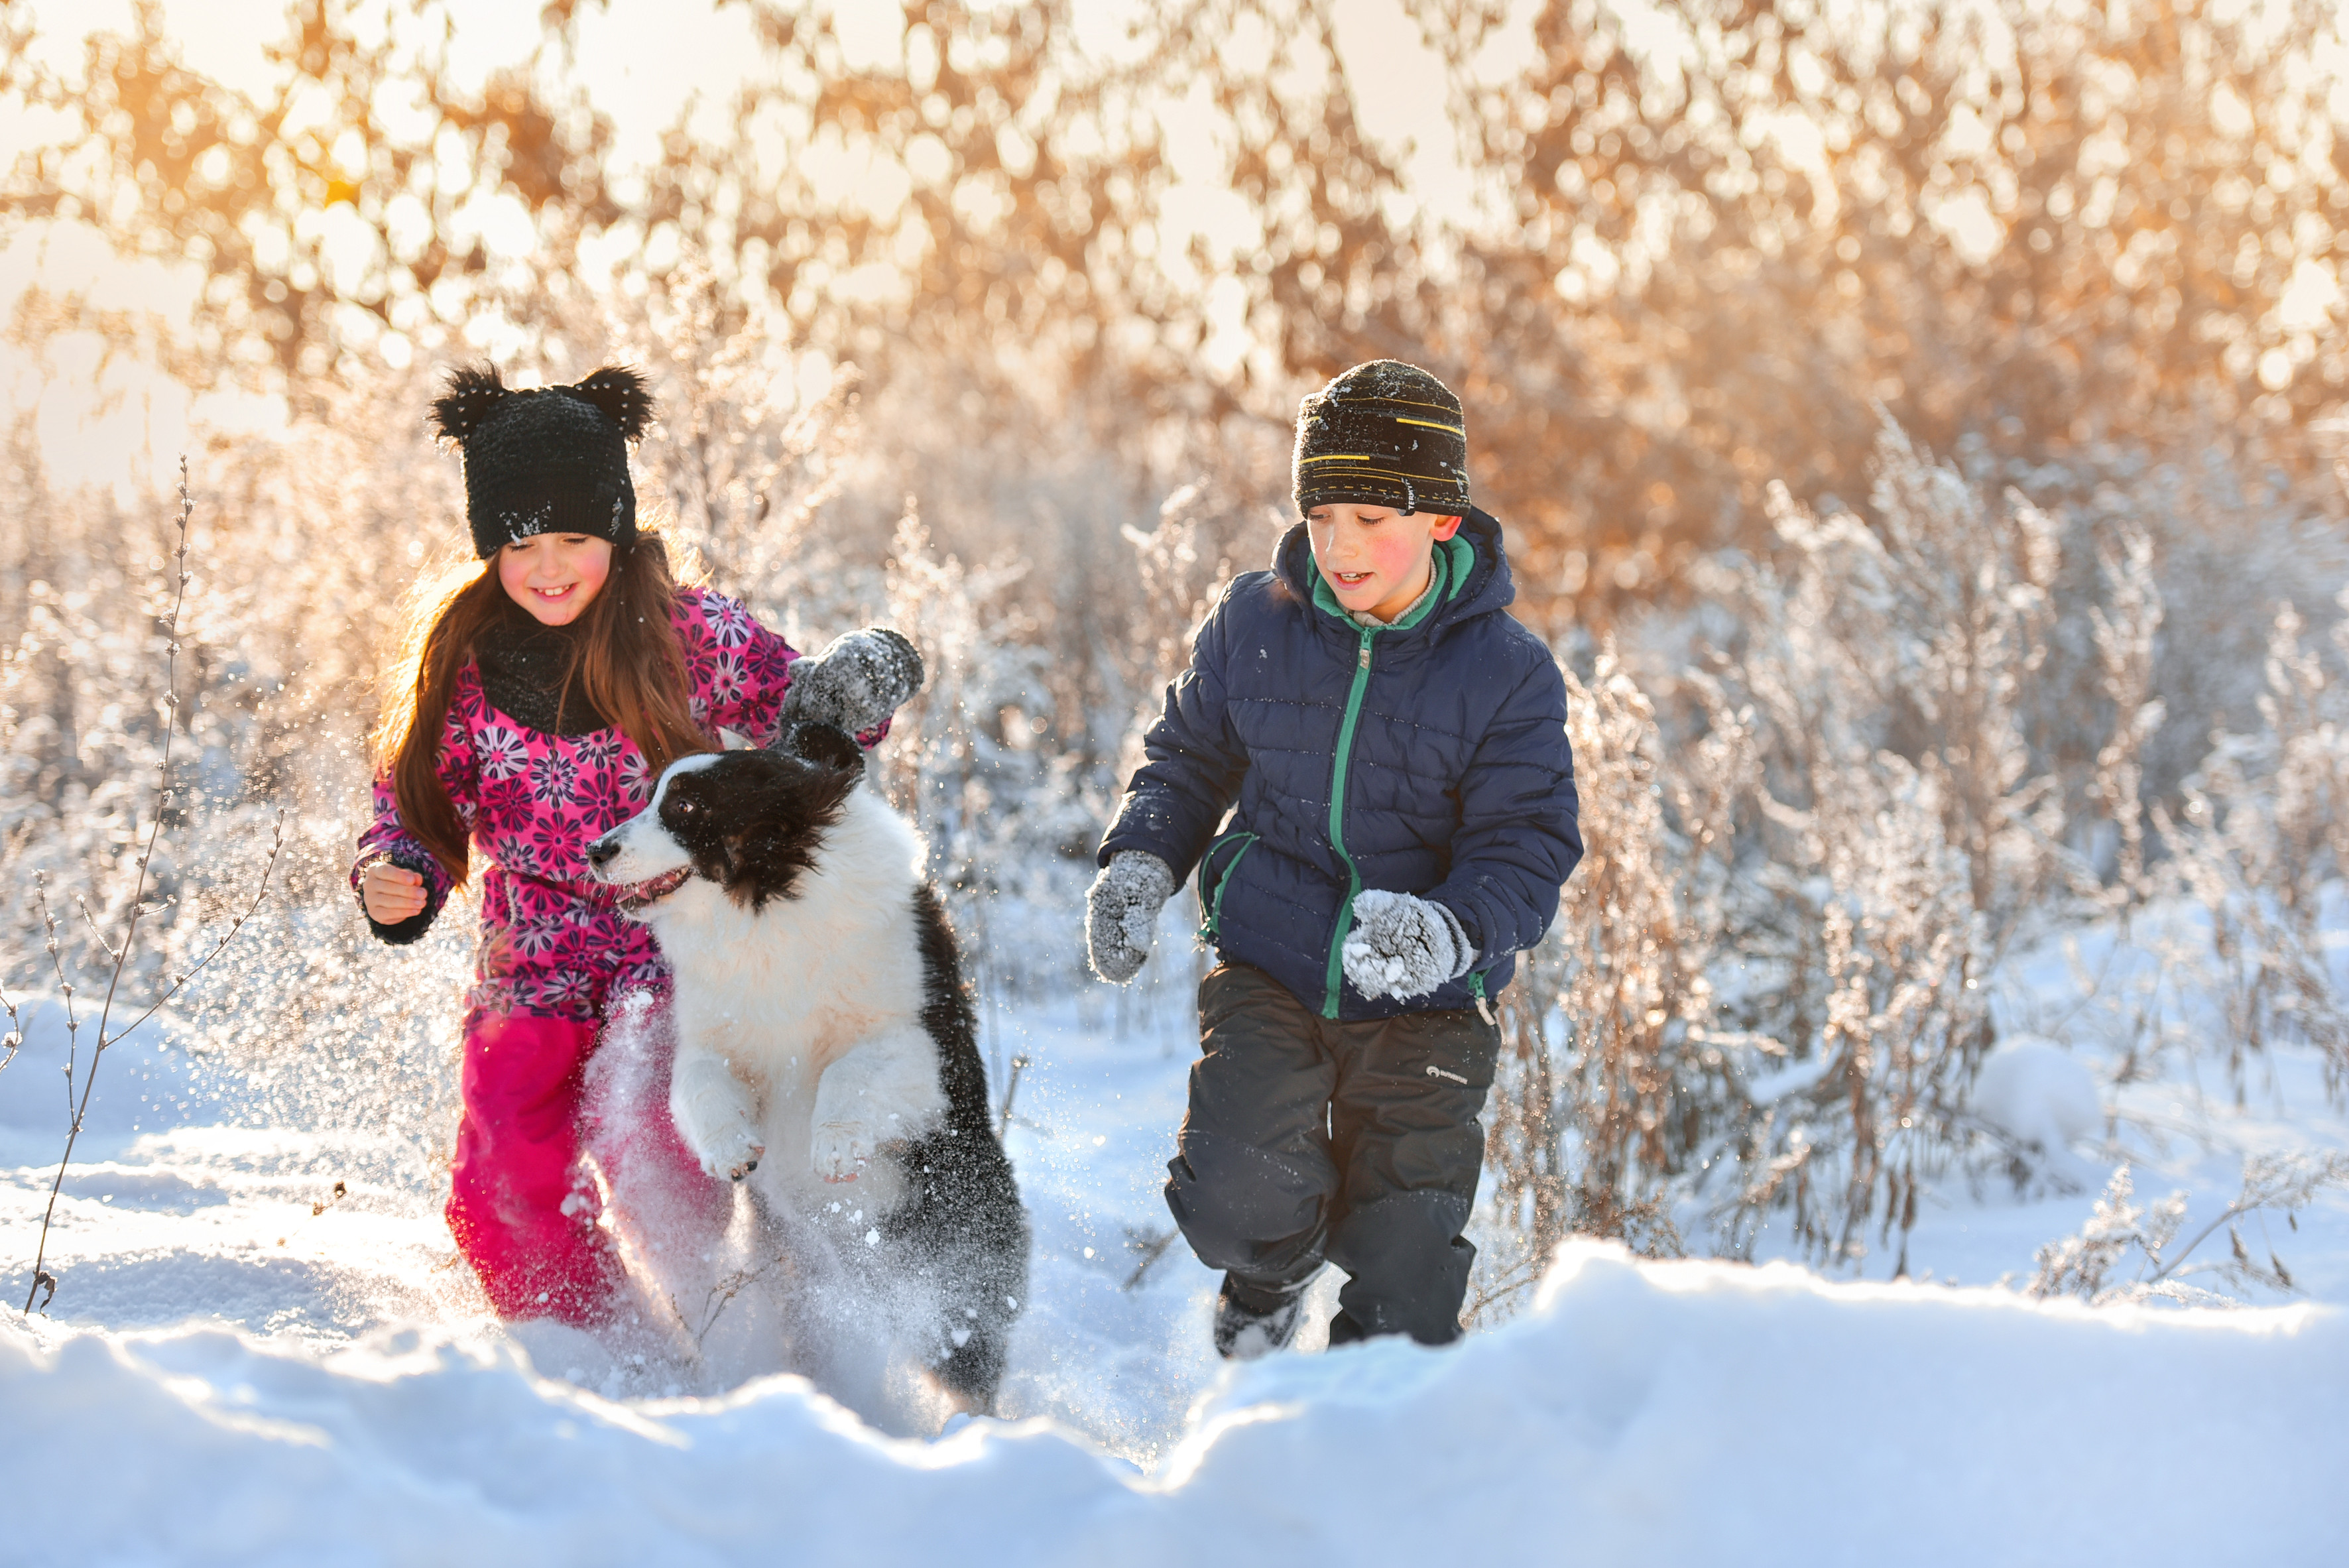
(1383, 434)
(549, 460)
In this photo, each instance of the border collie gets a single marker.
(826, 1050)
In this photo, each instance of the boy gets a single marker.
(1395, 744)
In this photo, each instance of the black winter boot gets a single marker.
(1250, 1322)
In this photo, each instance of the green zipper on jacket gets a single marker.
(1450, 566)
(1338, 823)
(1213, 903)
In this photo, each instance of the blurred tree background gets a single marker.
(1699, 245)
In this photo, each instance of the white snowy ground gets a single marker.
(227, 1376)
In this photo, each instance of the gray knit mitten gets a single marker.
(1121, 911)
(860, 680)
(1404, 946)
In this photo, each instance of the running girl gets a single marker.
(537, 700)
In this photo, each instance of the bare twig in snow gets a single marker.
(14, 1040)
(1149, 1246)
(1010, 1087)
(135, 912)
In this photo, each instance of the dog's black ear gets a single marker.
(620, 393)
(474, 391)
(826, 745)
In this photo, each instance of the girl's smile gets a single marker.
(554, 576)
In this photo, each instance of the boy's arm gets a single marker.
(1520, 832)
(1194, 768)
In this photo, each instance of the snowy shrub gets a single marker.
(1820, 819)
(111, 1011)
(2085, 1265)
(1000, 810)
(1609, 1081)
(746, 464)
(1766, 991)
(2262, 829)
(1895, 838)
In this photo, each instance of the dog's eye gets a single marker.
(682, 808)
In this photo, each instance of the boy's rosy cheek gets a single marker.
(1394, 554)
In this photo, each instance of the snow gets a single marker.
(228, 1376)
(2038, 1094)
(1654, 1413)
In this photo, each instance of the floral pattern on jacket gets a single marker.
(553, 939)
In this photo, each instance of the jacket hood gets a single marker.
(1474, 568)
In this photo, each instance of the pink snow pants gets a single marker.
(521, 1205)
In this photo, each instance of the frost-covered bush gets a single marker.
(2122, 1235)
(1810, 842)
(1610, 1084)
(2262, 830)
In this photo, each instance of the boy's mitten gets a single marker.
(1121, 911)
(1404, 946)
(854, 684)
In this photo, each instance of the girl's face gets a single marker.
(555, 576)
(1374, 557)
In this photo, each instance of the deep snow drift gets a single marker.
(1640, 1413)
(243, 1368)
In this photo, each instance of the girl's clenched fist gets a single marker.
(391, 894)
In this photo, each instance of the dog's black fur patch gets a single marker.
(964, 1220)
(960, 1226)
(752, 822)
(826, 745)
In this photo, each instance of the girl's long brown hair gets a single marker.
(626, 663)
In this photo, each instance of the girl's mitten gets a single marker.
(1121, 911)
(1404, 946)
(855, 683)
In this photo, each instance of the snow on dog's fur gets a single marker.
(825, 1047)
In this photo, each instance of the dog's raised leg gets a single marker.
(714, 1115)
(884, 1091)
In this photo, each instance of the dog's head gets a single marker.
(749, 822)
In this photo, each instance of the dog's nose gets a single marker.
(600, 852)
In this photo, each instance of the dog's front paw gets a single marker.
(841, 1149)
(712, 1112)
(736, 1156)
(731, 1155)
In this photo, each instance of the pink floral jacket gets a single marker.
(552, 940)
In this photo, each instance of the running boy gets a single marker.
(1395, 745)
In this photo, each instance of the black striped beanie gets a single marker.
(1383, 434)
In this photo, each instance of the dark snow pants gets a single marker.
(1309, 1140)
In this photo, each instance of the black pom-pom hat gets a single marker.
(553, 460)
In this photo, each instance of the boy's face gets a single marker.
(1374, 557)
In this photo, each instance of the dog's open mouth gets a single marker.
(645, 894)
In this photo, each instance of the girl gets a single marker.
(533, 709)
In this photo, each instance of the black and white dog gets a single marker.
(826, 1048)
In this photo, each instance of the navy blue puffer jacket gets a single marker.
(1428, 756)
